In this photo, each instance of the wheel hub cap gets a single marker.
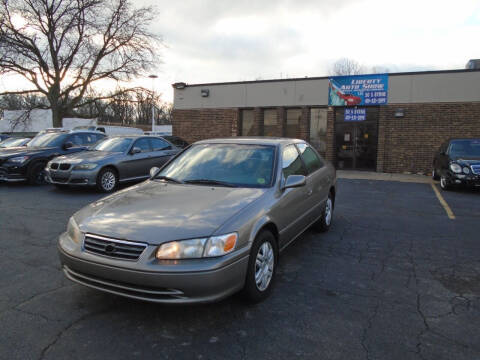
(264, 264)
(328, 211)
(108, 181)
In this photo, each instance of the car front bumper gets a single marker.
(470, 180)
(72, 177)
(210, 281)
(12, 173)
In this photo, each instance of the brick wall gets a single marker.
(408, 144)
(198, 124)
(404, 144)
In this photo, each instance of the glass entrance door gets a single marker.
(356, 143)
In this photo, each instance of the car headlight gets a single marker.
(19, 159)
(466, 170)
(456, 168)
(198, 248)
(88, 166)
(73, 231)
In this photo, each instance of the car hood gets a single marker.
(88, 156)
(156, 212)
(22, 151)
(468, 161)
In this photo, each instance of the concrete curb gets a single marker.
(367, 175)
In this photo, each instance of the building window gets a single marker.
(270, 123)
(318, 129)
(293, 122)
(248, 122)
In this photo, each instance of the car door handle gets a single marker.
(309, 192)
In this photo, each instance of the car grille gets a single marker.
(54, 166)
(64, 166)
(476, 169)
(58, 178)
(126, 250)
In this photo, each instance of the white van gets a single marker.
(111, 130)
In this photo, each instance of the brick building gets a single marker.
(420, 111)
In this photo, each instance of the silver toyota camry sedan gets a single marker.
(209, 223)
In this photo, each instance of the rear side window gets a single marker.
(312, 160)
(143, 144)
(159, 144)
(291, 162)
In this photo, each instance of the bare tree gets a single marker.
(347, 66)
(62, 47)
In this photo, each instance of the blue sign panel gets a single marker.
(358, 90)
(355, 114)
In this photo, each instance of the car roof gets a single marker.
(252, 140)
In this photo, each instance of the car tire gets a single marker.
(262, 267)
(435, 175)
(444, 185)
(323, 224)
(107, 180)
(36, 174)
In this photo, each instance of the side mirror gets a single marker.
(67, 145)
(154, 172)
(294, 181)
(136, 150)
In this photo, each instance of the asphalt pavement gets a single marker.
(395, 278)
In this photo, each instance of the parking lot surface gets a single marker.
(395, 278)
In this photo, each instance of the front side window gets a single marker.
(291, 162)
(312, 160)
(236, 164)
(119, 144)
(47, 140)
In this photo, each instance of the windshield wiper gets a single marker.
(166, 178)
(210, 182)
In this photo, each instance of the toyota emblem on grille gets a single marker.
(110, 248)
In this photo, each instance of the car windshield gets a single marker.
(223, 164)
(11, 142)
(465, 148)
(47, 140)
(119, 144)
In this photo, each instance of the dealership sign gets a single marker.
(355, 114)
(358, 90)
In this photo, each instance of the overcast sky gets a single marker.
(228, 40)
(233, 40)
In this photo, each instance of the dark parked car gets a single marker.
(28, 163)
(113, 160)
(14, 142)
(211, 222)
(457, 162)
(177, 141)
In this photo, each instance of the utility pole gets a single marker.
(153, 77)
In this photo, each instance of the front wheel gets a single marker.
(262, 267)
(107, 180)
(444, 184)
(36, 174)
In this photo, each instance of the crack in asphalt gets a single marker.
(363, 338)
(67, 328)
